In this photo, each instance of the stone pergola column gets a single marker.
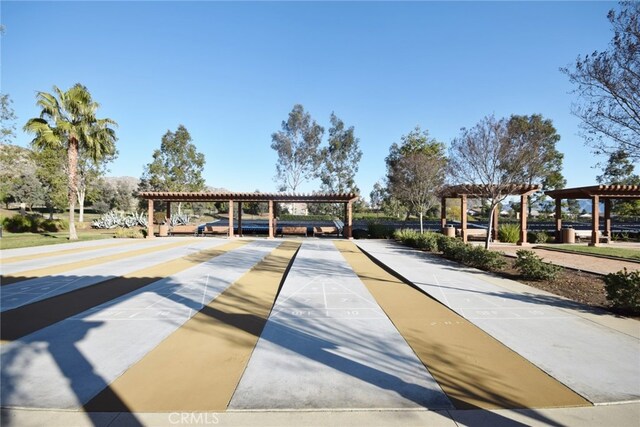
(150, 219)
(240, 219)
(595, 221)
(524, 199)
(607, 219)
(270, 219)
(443, 213)
(463, 217)
(231, 235)
(558, 235)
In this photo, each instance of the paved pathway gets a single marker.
(586, 263)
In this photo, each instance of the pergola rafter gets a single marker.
(270, 198)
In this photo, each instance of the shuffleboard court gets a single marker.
(66, 364)
(145, 248)
(37, 289)
(600, 363)
(18, 264)
(47, 250)
(327, 344)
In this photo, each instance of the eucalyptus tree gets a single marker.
(7, 120)
(297, 148)
(340, 159)
(68, 121)
(176, 166)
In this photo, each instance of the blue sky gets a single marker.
(231, 72)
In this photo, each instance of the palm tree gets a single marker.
(68, 121)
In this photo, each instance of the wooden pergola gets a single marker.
(595, 193)
(465, 192)
(270, 198)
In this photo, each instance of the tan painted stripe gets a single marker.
(30, 257)
(473, 369)
(10, 279)
(24, 320)
(198, 367)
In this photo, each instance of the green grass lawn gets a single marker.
(632, 254)
(23, 240)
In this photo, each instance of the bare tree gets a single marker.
(487, 163)
(297, 147)
(608, 84)
(416, 171)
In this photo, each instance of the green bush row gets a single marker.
(453, 249)
(34, 224)
(623, 290)
(378, 230)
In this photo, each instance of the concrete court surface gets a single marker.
(327, 347)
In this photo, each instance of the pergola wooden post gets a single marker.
(168, 211)
(595, 193)
(240, 219)
(231, 234)
(463, 217)
(271, 230)
(464, 191)
(558, 220)
(443, 213)
(523, 220)
(607, 220)
(595, 223)
(150, 219)
(348, 222)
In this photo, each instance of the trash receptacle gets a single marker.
(568, 235)
(163, 230)
(449, 231)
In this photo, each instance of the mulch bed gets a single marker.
(585, 288)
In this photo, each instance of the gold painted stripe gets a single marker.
(199, 366)
(10, 279)
(473, 368)
(30, 257)
(29, 318)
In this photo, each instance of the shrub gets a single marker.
(54, 225)
(378, 230)
(509, 233)
(129, 233)
(532, 267)
(427, 241)
(22, 224)
(479, 257)
(623, 290)
(359, 233)
(537, 237)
